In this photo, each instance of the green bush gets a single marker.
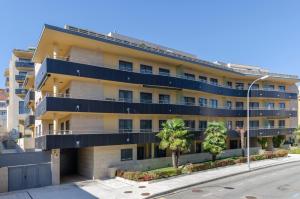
(295, 151)
(224, 162)
(167, 172)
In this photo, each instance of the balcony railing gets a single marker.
(29, 98)
(82, 70)
(21, 91)
(20, 78)
(24, 64)
(29, 121)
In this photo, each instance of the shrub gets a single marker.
(223, 163)
(257, 157)
(241, 160)
(167, 172)
(281, 153)
(133, 175)
(147, 176)
(295, 151)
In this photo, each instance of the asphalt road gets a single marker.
(272, 183)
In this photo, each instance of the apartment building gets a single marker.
(19, 66)
(100, 99)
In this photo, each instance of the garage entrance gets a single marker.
(68, 165)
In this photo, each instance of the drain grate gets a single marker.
(228, 188)
(141, 187)
(197, 190)
(127, 191)
(250, 197)
(145, 194)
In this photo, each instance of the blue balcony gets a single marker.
(59, 104)
(29, 99)
(51, 66)
(21, 65)
(29, 121)
(21, 92)
(20, 78)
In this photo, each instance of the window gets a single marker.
(125, 66)
(67, 125)
(126, 154)
(146, 126)
(282, 105)
(229, 125)
(239, 86)
(229, 84)
(269, 87)
(213, 103)
(2, 104)
(233, 144)
(2, 112)
(22, 108)
(239, 124)
(270, 124)
(145, 69)
(125, 126)
(254, 86)
(202, 125)
(203, 78)
(228, 105)
(23, 73)
(281, 88)
(281, 123)
(163, 71)
(164, 99)
(189, 101)
(254, 124)
(239, 105)
(146, 98)
(62, 127)
(190, 124)
(125, 96)
(160, 124)
(198, 147)
(214, 81)
(202, 102)
(254, 105)
(270, 105)
(189, 76)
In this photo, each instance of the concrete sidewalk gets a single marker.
(119, 188)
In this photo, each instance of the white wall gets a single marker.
(86, 90)
(86, 56)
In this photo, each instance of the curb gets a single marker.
(218, 178)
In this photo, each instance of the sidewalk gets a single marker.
(119, 188)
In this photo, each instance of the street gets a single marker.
(274, 182)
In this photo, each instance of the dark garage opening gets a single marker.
(69, 165)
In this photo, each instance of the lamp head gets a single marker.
(264, 77)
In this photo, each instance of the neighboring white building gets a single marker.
(19, 65)
(3, 112)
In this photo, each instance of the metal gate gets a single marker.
(29, 176)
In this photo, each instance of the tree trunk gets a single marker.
(242, 133)
(177, 158)
(174, 157)
(214, 157)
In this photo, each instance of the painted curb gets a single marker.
(218, 178)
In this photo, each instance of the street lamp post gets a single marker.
(248, 118)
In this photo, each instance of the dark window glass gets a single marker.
(24, 60)
(125, 126)
(281, 88)
(202, 125)
(189, 101)
(125, 96)
(214, 81)
(239, 105)
(239, 124)
(62, 126)
(213, 103)
(126, 154)
(203, 78)
(269, 87)
(190, 124)
(229, 84)
(233, 144)
(229, 125)
(67, 125)
(160, 124)
(270, 105)
(202, 102)
(23, 73)
(164, 99)
(145, 69)
(254, 105)
(282, 105)
(146, 98)
(270, 124)
(228, 105)
(126, 66)
(189, 76)
(254, 124)
(159, 153)
(281, 123)
(163, 71)
(254, 86)
(239, 86)
(146, 125)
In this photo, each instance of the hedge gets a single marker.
(189, 168)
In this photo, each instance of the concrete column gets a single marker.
(269, 144)
(55, 166)
(55, 88)
(152, 150)
(3, 179)
(55, 52)
(55, 124)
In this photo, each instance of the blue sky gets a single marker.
(254, 32)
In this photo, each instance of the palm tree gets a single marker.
(215, 138)
(175, 137)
